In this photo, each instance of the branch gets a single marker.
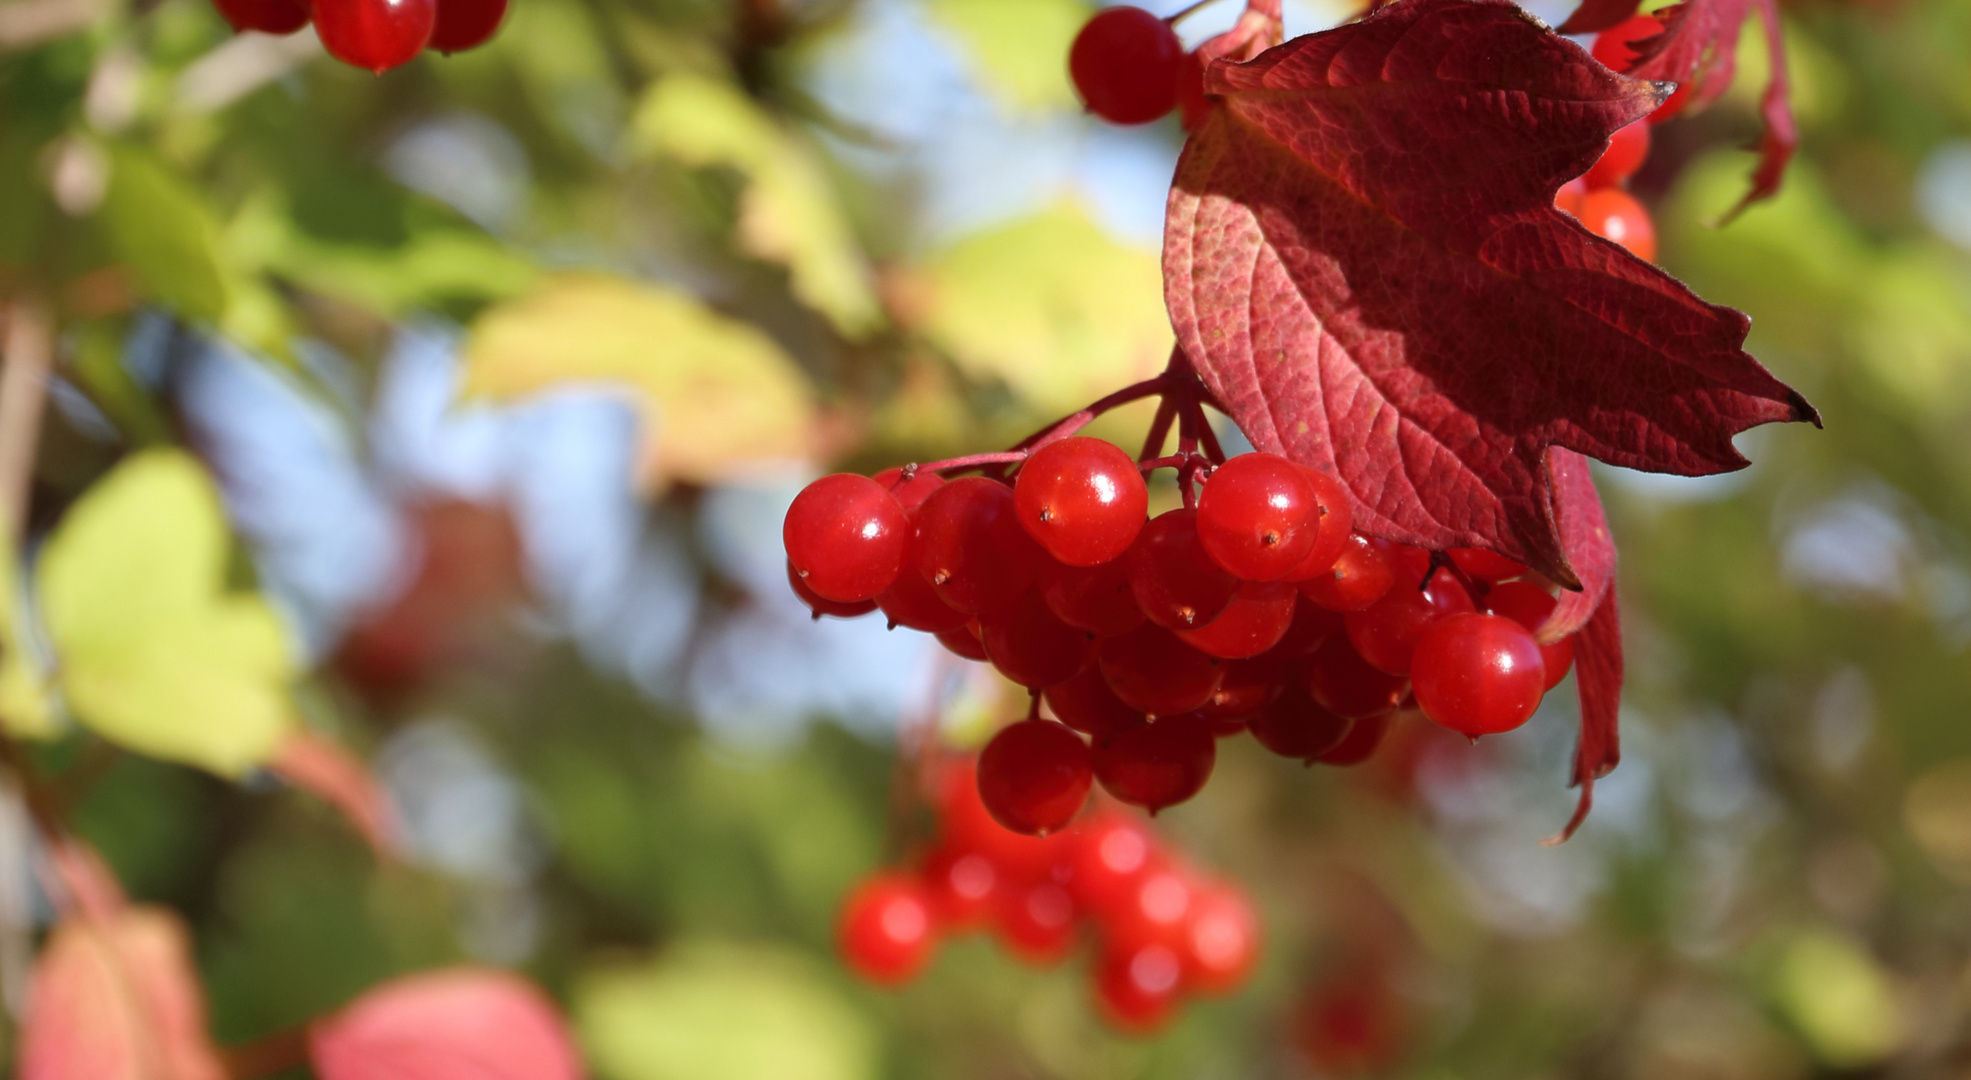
(28, 355)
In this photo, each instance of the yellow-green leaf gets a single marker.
(165, 233)
(1052, 305)
(1019, 47)
(156, 654)
(27, 706)
(788, 213)
(722, 397)
(722, 1011)
(1838, 998)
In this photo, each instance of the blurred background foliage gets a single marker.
(506, 365)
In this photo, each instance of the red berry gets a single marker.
(1336, 521)
(846, 536)
(1358, 577)
(886, 932)
(1626, 150)
(1386, 634)
(1361, 741)
(963, 641)
(821, 605)
(1082, 499)
(1094, 598)
(1160, 764)
(1125, 64)
(1615, 215)
(1177, 584)
(1296, 726)
(1479, 674)
(1346, 686)
(1034, 776)
(962, 886)
(1150, 669)
(1256, 621)
(1037, 923)
(1086, 704)
(1221, 940)
(378, 35)
(1031, 646)
(1258, 516)
(911, 601)
(1248, 686)
(1156, 909)
(965, 822)
(911, 494)
(1529, 605)
(970, 545)
(1312, 626)
(465, 24)
(1112, 854)
(1485, 565)
(266, 16)
(1138, 988)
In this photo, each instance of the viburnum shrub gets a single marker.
(376, 35)
(1162, 930)
(1375, 266)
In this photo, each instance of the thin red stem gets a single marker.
(1159, 429)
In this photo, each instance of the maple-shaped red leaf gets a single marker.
(1593, 619)
(1363, 261)
(455, 1024)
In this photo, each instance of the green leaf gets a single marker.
(156, 654)
(788, 213)
(1050, 304)
(721, 395)
(161, 228)
(1019, 46)
(722, 1011)
(27, 706)
(1837, 997)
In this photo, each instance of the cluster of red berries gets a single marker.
(1162, 929)
(1257, 609)
(375, 35)
(1599, 198)
(1129, 68)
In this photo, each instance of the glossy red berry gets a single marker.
(970, 545)
(1358, 577)
(266, 16)
(965, 822)
(466, 24)
(820, 604)
(1386, 634)
(1160, 764)
(1479, 674)
(1529, 605)
(1255, 622)
(1361, 742)
(1150, 669)
(964, 641)
(1137, 989)
(1081, 499)
(1336, 521)
(1157, 908)
(377, 35)
(1221, 940)
(1485, 565)
(887, 933)
(1112, 854)
(1626, 150)
(1249, 686)
(1031, 645)
(1033, 776)
(1347, 686)
(1613, 214)
(1177, 584)
(912, 601)
(1259, 517)
(846, 537)
(1311, 627)
(1086, 704)
(962, 885)
(1037, 922)
(1125, 64)
(910, 494)
(1095, 598)
(1294, 725)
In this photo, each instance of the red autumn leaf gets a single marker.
(117, 999)
(456, 1024)
(1363, 262)
(1591, 615)
(1584, 536)
(318, 765)
(1598, 683)
(1594, 16)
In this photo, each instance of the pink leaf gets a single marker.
(316, 764)
(1363, 261)
(456, 1024)
(1584, 536)
(117, 999)
(1598, 682)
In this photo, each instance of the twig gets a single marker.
(27, 355)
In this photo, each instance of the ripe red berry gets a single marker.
(1613, 214)
(1626, 150)
(1311, 627)
(909, 494)
(1037, 922)
(1086, 704)
(1160, 764)
(1255, 622)
(1034, 776)
(1125, 64)
(465, 24)
(1081, 499)
(1150, 669)
(1258, 516)
(1031, 646)
(970, 545)
(378, 35)
(1221, 941)
(1479, 674)
(1248, 686)
(1360, 744)
(1359, 576)
(1295, 726)
(1336, 520)
(846, 537)
(1347, 686)
(266, 16)
(1177, 584)
(1156, 909)
(961, 884)
(820, 604)
(1137, 989)
(1113, 852)
(965, 822)
(912, 601)
(1485, 565)
(964, 641)
(1094, 598)
(1529, 605)
(886, 933)
(1386, 633)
